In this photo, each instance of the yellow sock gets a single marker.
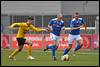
(14, 53)
(29, 50)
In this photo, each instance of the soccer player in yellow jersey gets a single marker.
(23, 28)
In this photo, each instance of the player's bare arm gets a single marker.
(83, 26)
(63, 32)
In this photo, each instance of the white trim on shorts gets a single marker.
(54, 38)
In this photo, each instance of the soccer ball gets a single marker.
(65, 58)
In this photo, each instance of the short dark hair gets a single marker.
(30, 18)
(76, 13)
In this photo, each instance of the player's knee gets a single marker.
(70, 46)
(81, 44)
(30, 43)
(20, 49)
(56, 47)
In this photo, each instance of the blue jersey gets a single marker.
(76, 23)
(56, 26)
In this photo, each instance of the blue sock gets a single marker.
(77, 47)
(53, 51)
(66, 51)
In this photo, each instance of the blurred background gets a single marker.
(43, 12)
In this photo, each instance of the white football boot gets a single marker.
(30, 58)
(12, 58)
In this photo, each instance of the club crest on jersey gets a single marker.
(56, 25)
(55, 21)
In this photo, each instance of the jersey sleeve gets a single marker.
(82, 21)
(51, 22)
(17, 25)
(63, 26)
(71, 24)
(36, 29)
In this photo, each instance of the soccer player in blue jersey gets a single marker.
(75, 25)
(55, 25)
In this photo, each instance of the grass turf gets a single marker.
(89, 58)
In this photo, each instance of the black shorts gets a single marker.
(21, 41)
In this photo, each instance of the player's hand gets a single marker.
(48, 30)
(45, 30)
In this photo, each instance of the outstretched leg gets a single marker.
(13, 54)
(67, 49)
(78, 46)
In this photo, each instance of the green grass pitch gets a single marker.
(82, 58)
